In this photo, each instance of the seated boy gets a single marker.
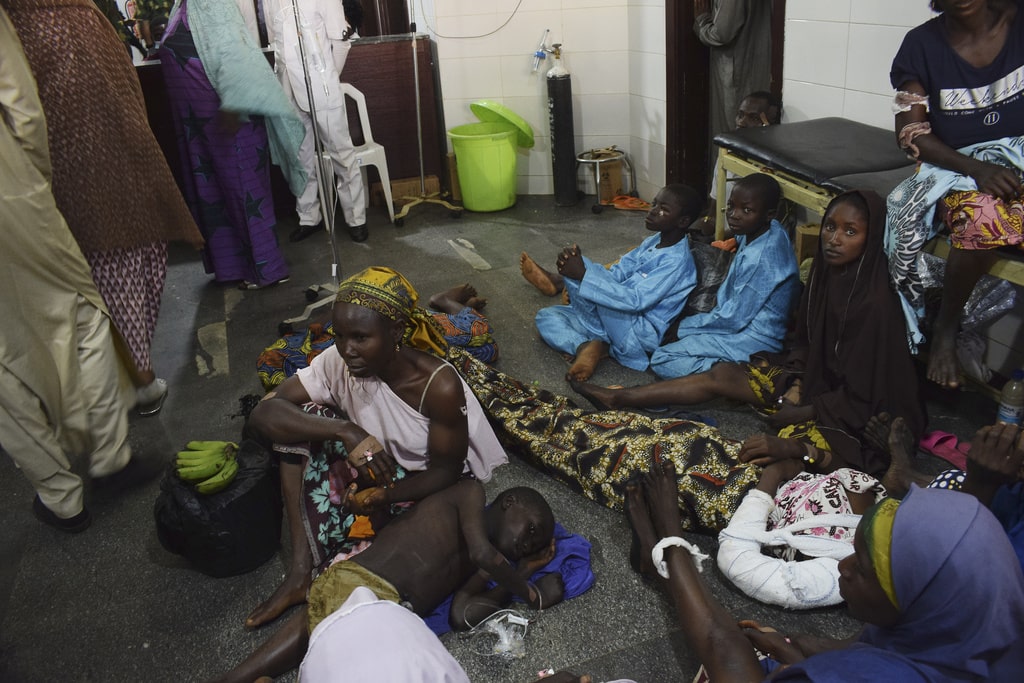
(423, 556)
(755, 299)
(624, 309)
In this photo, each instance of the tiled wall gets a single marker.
(838, 54)
(614, 50)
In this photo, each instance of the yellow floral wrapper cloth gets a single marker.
(385, 291)
(877, 523)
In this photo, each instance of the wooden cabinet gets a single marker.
(382, 68)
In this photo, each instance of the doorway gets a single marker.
(686, 94)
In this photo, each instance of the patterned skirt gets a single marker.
(599, 453)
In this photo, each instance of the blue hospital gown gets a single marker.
(752, 313)
(629, 305)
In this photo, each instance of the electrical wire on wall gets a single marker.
(423, 13)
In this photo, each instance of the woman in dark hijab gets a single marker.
(850, 360)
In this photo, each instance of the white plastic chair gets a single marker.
(370, 153)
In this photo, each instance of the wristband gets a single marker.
(658, 554)
(367, 447)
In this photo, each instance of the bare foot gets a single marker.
(291, 592)
(546, 282)
(644, 537)
(663, 498)
(454, 298)
(476, 303)
(943, 367)
(901, 473)
(588, 357)
(602, 398)
(876, 432)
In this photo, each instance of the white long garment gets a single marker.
(798, 585)
(322, 27)
(402, 430)
(367, 639)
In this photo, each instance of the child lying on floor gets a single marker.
(449, 541)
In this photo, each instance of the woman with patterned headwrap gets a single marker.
(379, 411)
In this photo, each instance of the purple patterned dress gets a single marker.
(226, 176)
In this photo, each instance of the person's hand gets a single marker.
(995, 459)
(777, 473)
(377, 469)
(539, 560)
(366, 501)
(997, 453)
(772, 643)
(570, 263)
(764, 449)
(548, 591)
(790, 415)
(701, 7)
(996, 180)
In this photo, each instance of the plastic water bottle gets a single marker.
(1011, 400)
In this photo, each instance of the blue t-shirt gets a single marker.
(968, 104)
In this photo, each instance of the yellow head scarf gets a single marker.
(877, 526)
(388, 293)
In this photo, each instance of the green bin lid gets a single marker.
(492, 112)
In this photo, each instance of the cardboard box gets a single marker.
(608, 173)
(453, 178)
(609, 184)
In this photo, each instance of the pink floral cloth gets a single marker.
(811, 495)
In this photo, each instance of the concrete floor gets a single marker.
(112, 605)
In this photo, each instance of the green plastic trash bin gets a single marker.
(485, 154)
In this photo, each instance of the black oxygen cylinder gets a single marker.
(563, 141)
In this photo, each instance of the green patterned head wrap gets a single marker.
(877, 528)
(386, 292)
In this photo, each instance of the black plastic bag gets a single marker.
(227, 533)
(712, 266)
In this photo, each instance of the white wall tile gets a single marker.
(648, 159)
(602, 114)
(464, 26)
(587, 4)
(870, 55)
(595, 73)
(816, 52)
(598, 29)
(869, 108)
(802, 101)
(518, 81)
(647, 119)
(647, 29)
(905, 13)
(478, 78)
(647, 75)
(820, 10)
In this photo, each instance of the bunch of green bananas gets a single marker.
(209, 465)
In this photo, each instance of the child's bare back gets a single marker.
(424, 553)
